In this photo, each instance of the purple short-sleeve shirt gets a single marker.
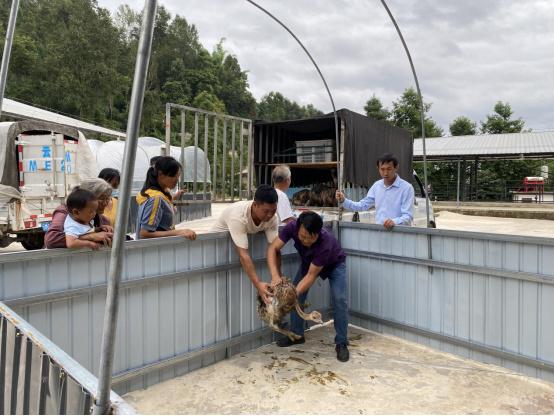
(326, 252)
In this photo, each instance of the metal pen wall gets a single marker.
(489, 297)
(178, 298)
(227, 144)
(37, 377)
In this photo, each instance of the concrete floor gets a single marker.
(544, 211)
(385, 375)
(511, 226)
(203, 225)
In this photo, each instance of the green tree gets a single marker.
(232, 85)
(311, 111)
(500, 121)
(406, 114)
(73, 57)
(504, 173)
(210, 102)
(275, 107)
(463, 126)
(485, 179)
(66, 56)
(375, 110)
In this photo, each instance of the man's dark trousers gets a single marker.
(337, 282)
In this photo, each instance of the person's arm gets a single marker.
(182, 232)
(274, 260)
(284, 210)
(102, 237)
(406, 208)
(250, 269)
(55, 236)
(178, 194)
(105, 228)
(365, 204)
(151, 217)
(74, 242)
(102, 223)
(308, 280)
(237, 230)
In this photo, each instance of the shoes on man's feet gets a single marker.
(286, 342)
(342, 352)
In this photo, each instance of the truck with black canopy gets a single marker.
(308, 147)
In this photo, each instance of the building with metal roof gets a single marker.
(510, 146)
(24, 111)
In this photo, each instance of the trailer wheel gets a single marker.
(5, 242)
(33, 242)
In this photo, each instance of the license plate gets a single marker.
(45, 225)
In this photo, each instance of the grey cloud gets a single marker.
(468, 54)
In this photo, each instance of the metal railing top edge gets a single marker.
(453, 233)
(75, 370)
(169, 241)
(129, 245)
(210, 113)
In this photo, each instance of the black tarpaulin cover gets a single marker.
(365, 140)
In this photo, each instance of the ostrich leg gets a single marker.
(292, 336)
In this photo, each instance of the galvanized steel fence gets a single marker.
(187, 304)
(489, 297)
(38, 377)
(183, 305)
(227, 145)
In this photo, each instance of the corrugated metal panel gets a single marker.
(177, 297)
(495, 293)
(488, 144)
(487, 297)
(37, 377)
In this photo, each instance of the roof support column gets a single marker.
(458, 188)
(7, 50)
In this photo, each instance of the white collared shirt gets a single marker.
(395, 202)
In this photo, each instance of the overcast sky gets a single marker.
(468, 54)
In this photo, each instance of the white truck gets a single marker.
(39, 162)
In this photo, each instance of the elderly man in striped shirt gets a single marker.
(392, 196)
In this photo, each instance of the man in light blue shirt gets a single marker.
(392, 196)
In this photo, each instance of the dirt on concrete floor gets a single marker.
(511, 226)
(385, 375)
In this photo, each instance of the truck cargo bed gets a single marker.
(385, 375)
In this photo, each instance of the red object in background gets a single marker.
(533, 184)
(30, 223)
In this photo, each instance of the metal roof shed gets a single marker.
(510, 146)
(362, 141)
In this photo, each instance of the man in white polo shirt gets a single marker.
(281, 181)
(250, 217)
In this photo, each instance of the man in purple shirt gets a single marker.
(321, 255)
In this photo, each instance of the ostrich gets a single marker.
(284, 300)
